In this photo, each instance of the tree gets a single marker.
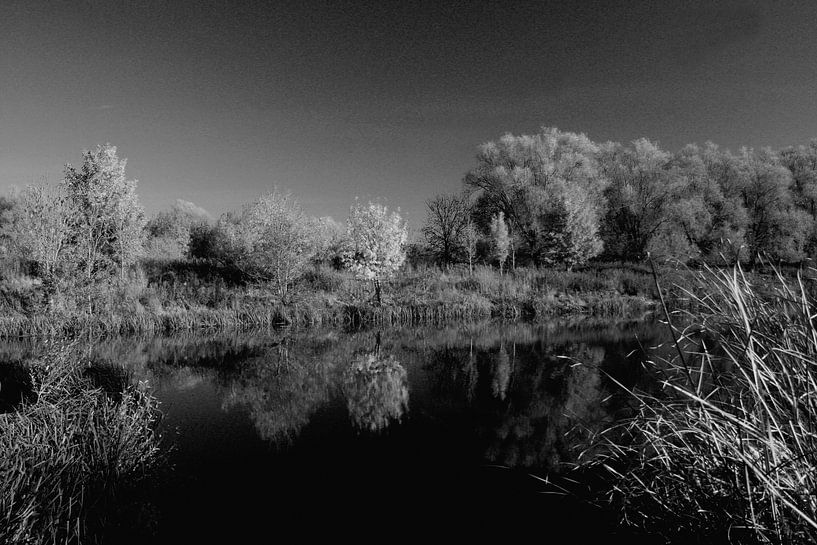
(802, 163)
(328, 239)
(270, 240)
(445, 227)
(500, 241)
(525, 177)
(568, 229)
(377, 241)
(109, 227)
(642, 186)
(471, 238)
(777, 228)
(40, 228)
(706, 219)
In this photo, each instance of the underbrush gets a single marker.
(68, 448)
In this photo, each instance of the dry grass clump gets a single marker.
(728, 447)
(64, 451)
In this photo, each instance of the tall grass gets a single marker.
(66, 451)
(727, 449)
(169, 296)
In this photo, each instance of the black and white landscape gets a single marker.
(443, 271)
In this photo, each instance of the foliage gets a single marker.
(500, 242)
(40, 228)
(642, 187)
(169, 233)
(729, 444)
(109, 222)
(525, 177)
(377, 240)
(269, 241)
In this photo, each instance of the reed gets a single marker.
(70, 447)
(727, 447)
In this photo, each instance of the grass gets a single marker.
(166, 296)
(727, 447)
(67, 449)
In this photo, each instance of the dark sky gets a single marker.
(217, 102)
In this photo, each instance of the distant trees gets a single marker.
(566, 200)
(802, 163)
(377, 240)
(642, 185)
(543, 184)
(169, 232)
(553, 198)
(777, 228)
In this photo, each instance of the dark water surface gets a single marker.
(376, 435)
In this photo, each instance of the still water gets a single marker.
(375, 435)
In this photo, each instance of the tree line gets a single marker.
(553, 198)
(565, 199)
(89, 230)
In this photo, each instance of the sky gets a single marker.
(218, 102)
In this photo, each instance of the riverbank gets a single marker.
(176, 296)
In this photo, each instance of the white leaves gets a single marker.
(377, 238)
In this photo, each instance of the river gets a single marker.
(452, 433)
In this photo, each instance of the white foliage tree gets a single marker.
(40, 227)
(377, 239)
(271, 240)
(109, 226)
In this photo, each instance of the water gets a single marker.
(374, 435)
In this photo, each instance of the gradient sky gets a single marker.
(217, 102)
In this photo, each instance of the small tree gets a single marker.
(377, 241)
(269, 241)
(500, 241)
(471, 238)
(569, 232)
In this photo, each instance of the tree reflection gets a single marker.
(376, 391)
(516, 389)
(281, 389)
(559, 397)
(501, 375)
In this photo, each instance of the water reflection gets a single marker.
(281, 388)
(521, 395)
(376, 391)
